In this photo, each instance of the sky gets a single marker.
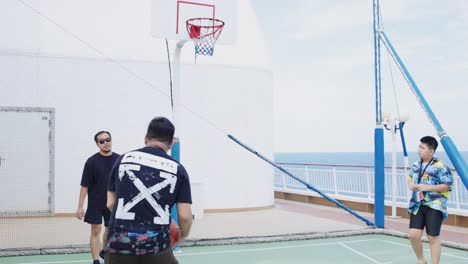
(321, 56)
(321, 53)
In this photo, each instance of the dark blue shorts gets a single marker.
(429, 218)
(95, 215)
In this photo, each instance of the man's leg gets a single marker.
(416, 226)
(104, 238)
(434, 220)
(106, 216)
(416, 243)
(434, 243)
(95, 240)
(94, 218)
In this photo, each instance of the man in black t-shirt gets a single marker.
(94, 184)
(144, 184)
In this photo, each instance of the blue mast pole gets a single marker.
(379, 159)
(452, 152)
(403, 141)
(405, 151)
(310, 187)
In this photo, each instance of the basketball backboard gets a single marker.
(168, 17)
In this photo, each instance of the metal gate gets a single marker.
(26, 161)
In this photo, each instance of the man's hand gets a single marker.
(412, 186)
(423, 187)
(80, 213)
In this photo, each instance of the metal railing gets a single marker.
(356, 183)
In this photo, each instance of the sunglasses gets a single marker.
(102, 141)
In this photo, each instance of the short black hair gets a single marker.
(161, 129)
(431, 142)
(101, 132)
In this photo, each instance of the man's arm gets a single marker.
(110, 200)
(411, 184)
(410, 181)
(80, 212)
(432, 188)
(446, 179)
(184, 212)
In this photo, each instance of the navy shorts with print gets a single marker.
(429, 218)
(95, 215)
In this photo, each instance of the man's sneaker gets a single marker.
(96, 261)
(101, 254)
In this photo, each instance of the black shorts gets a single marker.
(164, 257)
(94, 216)
(429, 218)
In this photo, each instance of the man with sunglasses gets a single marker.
(94, 184)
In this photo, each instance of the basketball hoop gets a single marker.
(204, 32)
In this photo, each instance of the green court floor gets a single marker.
(379, 249)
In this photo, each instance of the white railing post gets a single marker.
(394, 172)
(283, 180)
(307, 178)
(368, 185)
(407, 190)
(455, 191)
(335, 185)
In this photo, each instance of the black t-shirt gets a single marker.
(147, 183)
(95, 177)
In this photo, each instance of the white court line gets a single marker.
(272, 248)
(63, 261)
(362, 254)
(225, 251)
(404, 245)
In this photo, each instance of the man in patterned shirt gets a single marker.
(431, 181)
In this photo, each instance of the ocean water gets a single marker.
(353, 158)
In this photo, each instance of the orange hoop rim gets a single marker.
(195, 28)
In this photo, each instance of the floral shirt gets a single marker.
(436, 173)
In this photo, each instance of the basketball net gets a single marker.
(204, 32)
